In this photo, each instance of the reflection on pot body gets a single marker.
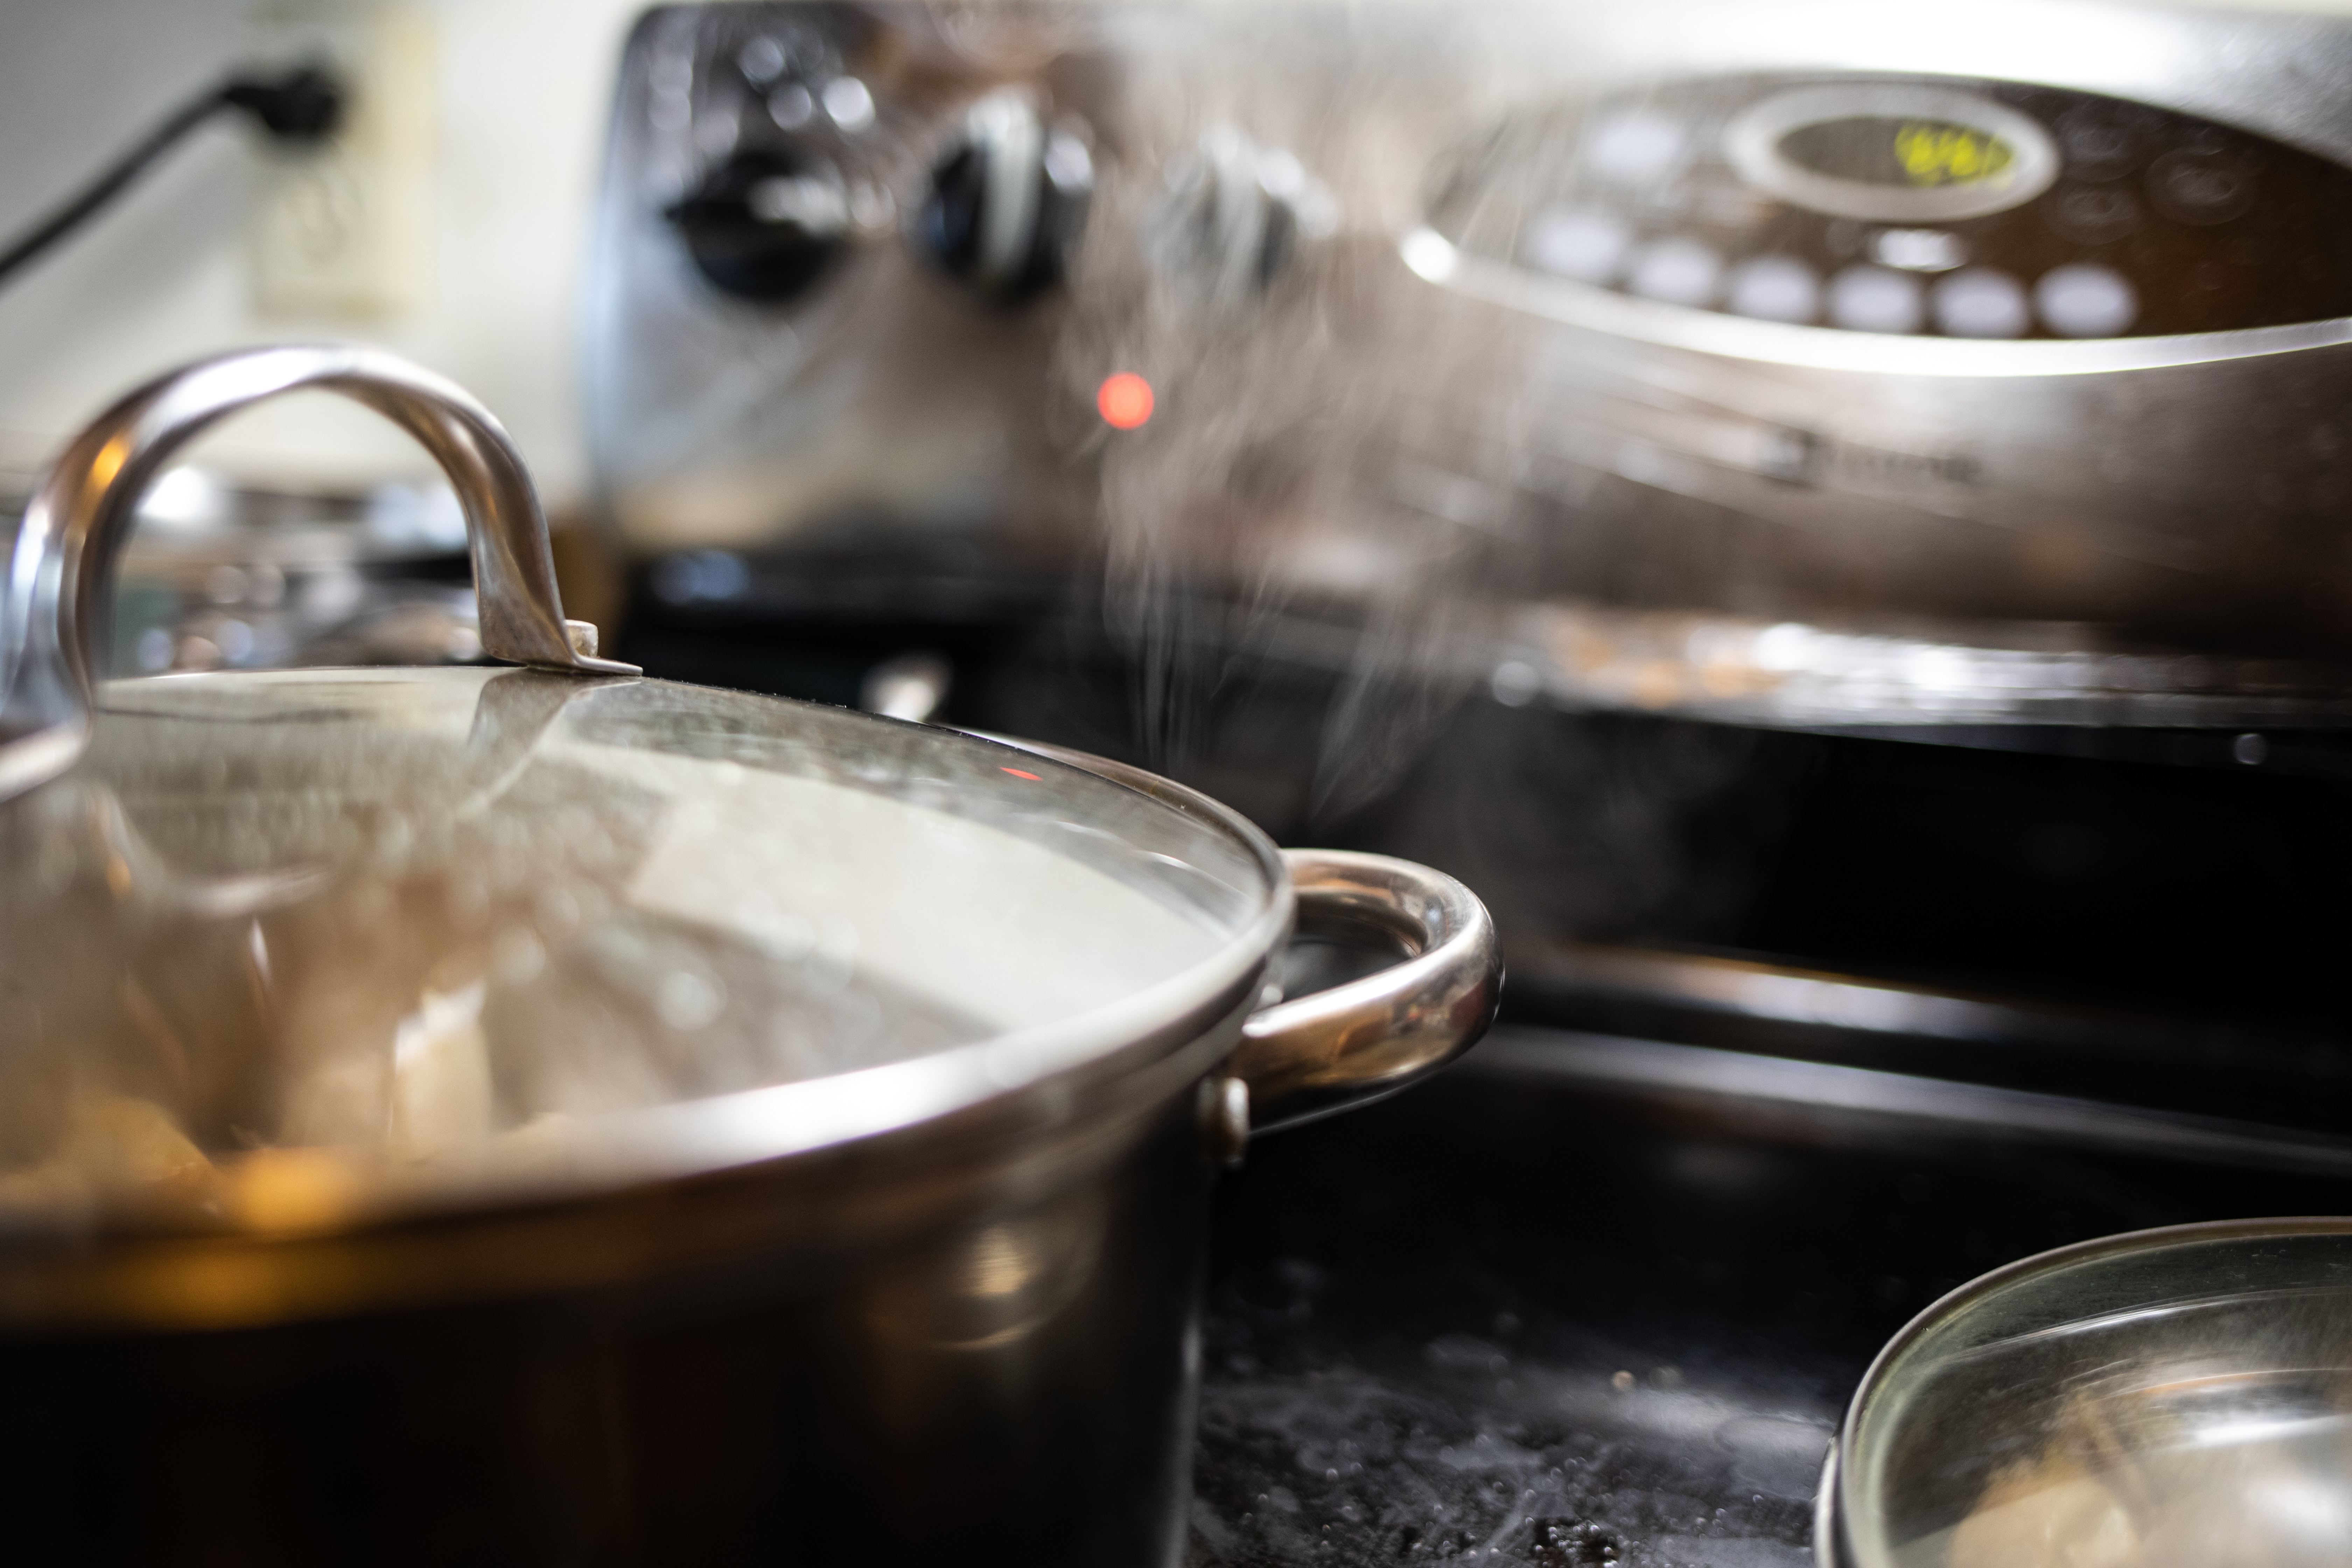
(1001, 1282)
(936, 1393)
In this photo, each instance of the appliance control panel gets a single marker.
(1913, 205)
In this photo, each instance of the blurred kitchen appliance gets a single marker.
(1828, 516)
(1817, 312)
(939, 289)
(1837, 315)
(816, 223)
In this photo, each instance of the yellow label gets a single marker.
(1936, 153)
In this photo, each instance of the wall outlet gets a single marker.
(347, 229)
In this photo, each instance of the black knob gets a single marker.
(1007, 201)
(765, 225)
(1233, 217)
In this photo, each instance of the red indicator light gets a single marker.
(1124, 400)
(1017, 774)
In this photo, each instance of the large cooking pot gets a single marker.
(545, 1115)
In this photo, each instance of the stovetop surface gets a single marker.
(1492, 1322)
(1495, 1321)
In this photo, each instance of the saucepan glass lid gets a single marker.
(2179, 1397)
(407, 916)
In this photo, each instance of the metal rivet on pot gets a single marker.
(1225, 1119)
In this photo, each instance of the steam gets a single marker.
(1307, 466)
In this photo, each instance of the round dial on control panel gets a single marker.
(1007, 200)
(773, 109)
(1901, 205)
(764, 225)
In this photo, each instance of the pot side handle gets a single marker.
(1331, 1050)
(61, 571)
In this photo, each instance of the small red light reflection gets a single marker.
(1017, 774)
(1124, 400)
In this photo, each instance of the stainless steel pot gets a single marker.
(546, 1115)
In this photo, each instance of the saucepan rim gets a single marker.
(1835, 1501)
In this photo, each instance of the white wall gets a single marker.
(163, 274)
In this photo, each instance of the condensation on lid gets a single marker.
(401, 914)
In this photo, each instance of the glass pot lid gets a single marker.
(2179, 1396)
(439, 920)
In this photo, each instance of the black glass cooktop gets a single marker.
(1498, 1321)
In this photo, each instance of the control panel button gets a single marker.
(1918, 249)
(1590, 247)
(2200, 187)
(2186, 225)
(2099, 142)
(1677, 272)
(1866, 299)
(1637, 147)
(1980, 302)
(2082, 300)
(1776, 288)
(2093, 214)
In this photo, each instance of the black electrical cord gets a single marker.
(302, 105)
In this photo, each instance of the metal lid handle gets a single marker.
(61, 573)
